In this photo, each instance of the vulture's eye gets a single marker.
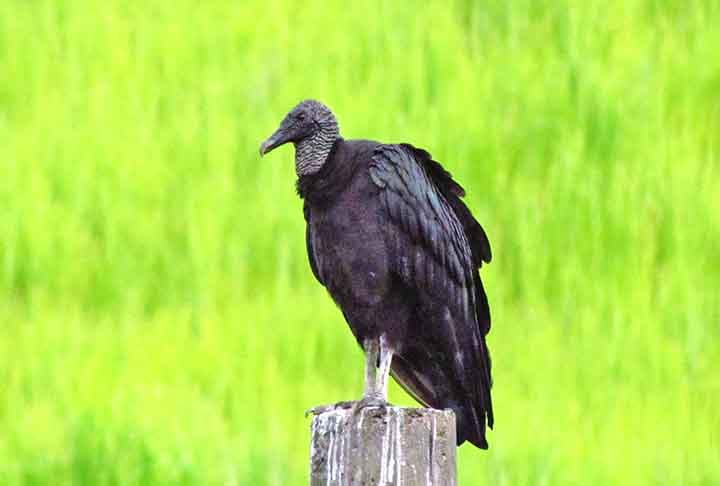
(301, 116)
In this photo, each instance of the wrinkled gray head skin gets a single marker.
(313, 129)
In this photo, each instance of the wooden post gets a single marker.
(383, 446)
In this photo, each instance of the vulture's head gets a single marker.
(312, 128)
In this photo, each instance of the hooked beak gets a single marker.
(275, 140)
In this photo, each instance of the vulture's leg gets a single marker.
(375, 379)
(375, 393)
(371, 348)
(370, 394)
(386, 354)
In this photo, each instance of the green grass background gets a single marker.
(159, 323)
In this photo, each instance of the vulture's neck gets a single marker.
(312, 152)
(320, 188)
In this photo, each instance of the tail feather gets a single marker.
(470, 427)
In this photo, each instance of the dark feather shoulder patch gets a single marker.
(453, 193)
(416, 207)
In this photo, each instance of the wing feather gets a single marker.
(446, 248)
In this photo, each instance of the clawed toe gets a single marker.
(329, 408)
(369, 402)
(355, 406)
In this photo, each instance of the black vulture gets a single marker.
(390, 238)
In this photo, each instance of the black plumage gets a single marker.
(398, 250)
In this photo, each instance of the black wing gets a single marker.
(437, 248)
(477, 238)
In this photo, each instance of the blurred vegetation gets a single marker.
(160, 324)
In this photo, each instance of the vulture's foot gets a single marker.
(369, 401)
(355, 406)
(329, 408)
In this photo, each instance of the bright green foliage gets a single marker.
(160, 324)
